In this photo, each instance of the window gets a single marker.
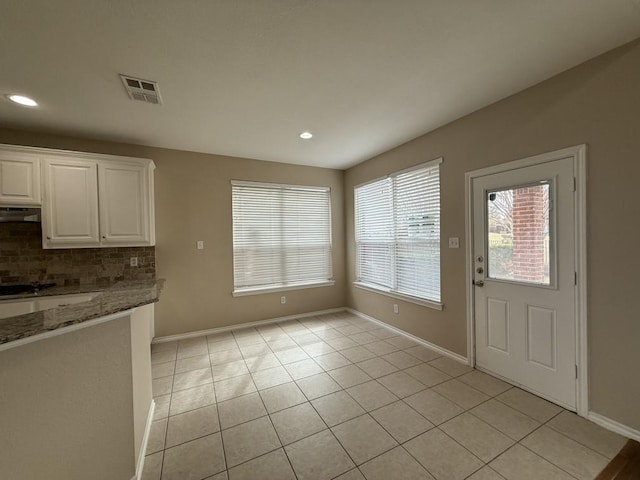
(281, 237)
(397, 221)
(519, 234)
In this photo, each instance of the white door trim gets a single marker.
(578, 153)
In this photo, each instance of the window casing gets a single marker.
(281, 237)
(397, 223)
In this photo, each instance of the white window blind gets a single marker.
(397, 221)
(281, 236)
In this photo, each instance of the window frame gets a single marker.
(375, 288)
(256, 290)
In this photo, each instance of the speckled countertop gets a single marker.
(108, 300)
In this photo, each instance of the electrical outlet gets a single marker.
(283, 300)
(200, 244)
(454, 242)
(133, 261)
(395, 308)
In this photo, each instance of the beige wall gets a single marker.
(597, 103)
(66, 406)
(193, 202)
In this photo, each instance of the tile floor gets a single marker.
(339, 397)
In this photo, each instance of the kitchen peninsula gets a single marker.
(75, 395)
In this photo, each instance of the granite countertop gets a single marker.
(108, 300)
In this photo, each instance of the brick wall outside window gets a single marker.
(528, 234)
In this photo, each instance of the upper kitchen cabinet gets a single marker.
(93, 200)
(70, 206)
(19, 178)
(126, 209)
(88, 200)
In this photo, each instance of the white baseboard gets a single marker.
(614, 426)
(213, 331)
(145, 440)
(443, 351)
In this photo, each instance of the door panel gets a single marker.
(524, 266)
(498, 324)
(541, 336)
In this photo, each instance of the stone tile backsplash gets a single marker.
(23, 260)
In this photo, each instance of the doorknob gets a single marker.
(479, 283)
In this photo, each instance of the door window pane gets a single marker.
(518, 234)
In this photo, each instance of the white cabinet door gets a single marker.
(70, 213)
(19, 179)
(124, 203)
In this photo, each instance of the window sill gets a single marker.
(284, 288)
(399, 296)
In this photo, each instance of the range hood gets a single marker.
(19, 214)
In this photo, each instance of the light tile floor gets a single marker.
(339, 397)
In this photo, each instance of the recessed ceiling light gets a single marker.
(22, 100)
(306, 135)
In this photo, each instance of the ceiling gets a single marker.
(245, 77)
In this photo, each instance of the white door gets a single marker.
(70, 207)
(124, 203)
(524, 277)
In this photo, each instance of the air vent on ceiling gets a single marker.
(143, 90)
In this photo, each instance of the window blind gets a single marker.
(397, 221)
(281, 235)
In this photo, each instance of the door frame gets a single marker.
(578, 153)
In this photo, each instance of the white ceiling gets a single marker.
(244, 77)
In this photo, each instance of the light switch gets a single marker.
(200, 244)
(454, 242)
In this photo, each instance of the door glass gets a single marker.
(518, 234)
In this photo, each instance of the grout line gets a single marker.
(545, 459)
(348, 471)
(559, 433)
(274, 429)
(469, 451)
(224, 453)
(573, 439)
(175, 362)
(418, 461)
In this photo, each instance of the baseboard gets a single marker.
(443, 351)
(614, 426)
(213, 331)
(145, 441)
